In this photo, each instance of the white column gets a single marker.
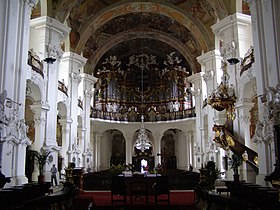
(211, 65)
(190, 146)
(65, 123)
(187, 149)
(265, 19)
(15, 21)
(183, 151)
(40, 112)
(87, 85)
(157, 148)
(196, 79)
(14, 36)
(128, 148)
(235, 33)
(94, 145)
(46, 37)
(98, 151)
(82, 134)
(73, 63)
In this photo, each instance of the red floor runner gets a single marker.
(177, 198)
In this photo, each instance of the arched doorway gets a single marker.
(118, 148)
(168, 157)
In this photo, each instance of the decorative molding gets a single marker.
(229, 50)
(38, 121)
(76, 77)
(208, 76)
(197, 150)
(32, 3)
(88, 93)
(66, 130)
(54, 51)
(244, 118)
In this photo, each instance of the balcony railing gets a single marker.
(131, 116)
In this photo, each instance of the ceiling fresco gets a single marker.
(95, 23)
(101, 28)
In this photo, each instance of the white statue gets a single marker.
(176, 106)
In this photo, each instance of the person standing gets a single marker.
(53, 175)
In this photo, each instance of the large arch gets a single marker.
(129, 35)
(189, 22)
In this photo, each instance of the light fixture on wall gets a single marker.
(49, 60)
(142, 141)
(233, 61)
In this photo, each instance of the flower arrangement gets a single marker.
(117, 169)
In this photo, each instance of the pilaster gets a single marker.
(73, 63)
(49, 34)
(128, 148)
(157, 148)
(211, 65)
(66, 124)
(265, 19)
(87, 86)
(197, 80)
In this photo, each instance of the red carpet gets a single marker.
(177, 198)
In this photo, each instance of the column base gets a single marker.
(18, 180)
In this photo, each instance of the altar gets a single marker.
(140, 181)
(138, 186)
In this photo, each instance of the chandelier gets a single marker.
(142, 141)
(223, 98)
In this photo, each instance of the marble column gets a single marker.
(72, 63)
(196, 80)
(234, 32)
(191, 148)
(40, 112)
(15, 22)
(98, 151)
(265, 19)
(65, 123)
(45, 39)
(87, 85)
(128, 148)
(157, 148)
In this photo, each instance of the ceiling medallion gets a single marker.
(223, 98)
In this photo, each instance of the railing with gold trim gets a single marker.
(226, 140)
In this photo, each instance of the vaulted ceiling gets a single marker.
(100, 28)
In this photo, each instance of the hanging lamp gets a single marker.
(142, 141)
